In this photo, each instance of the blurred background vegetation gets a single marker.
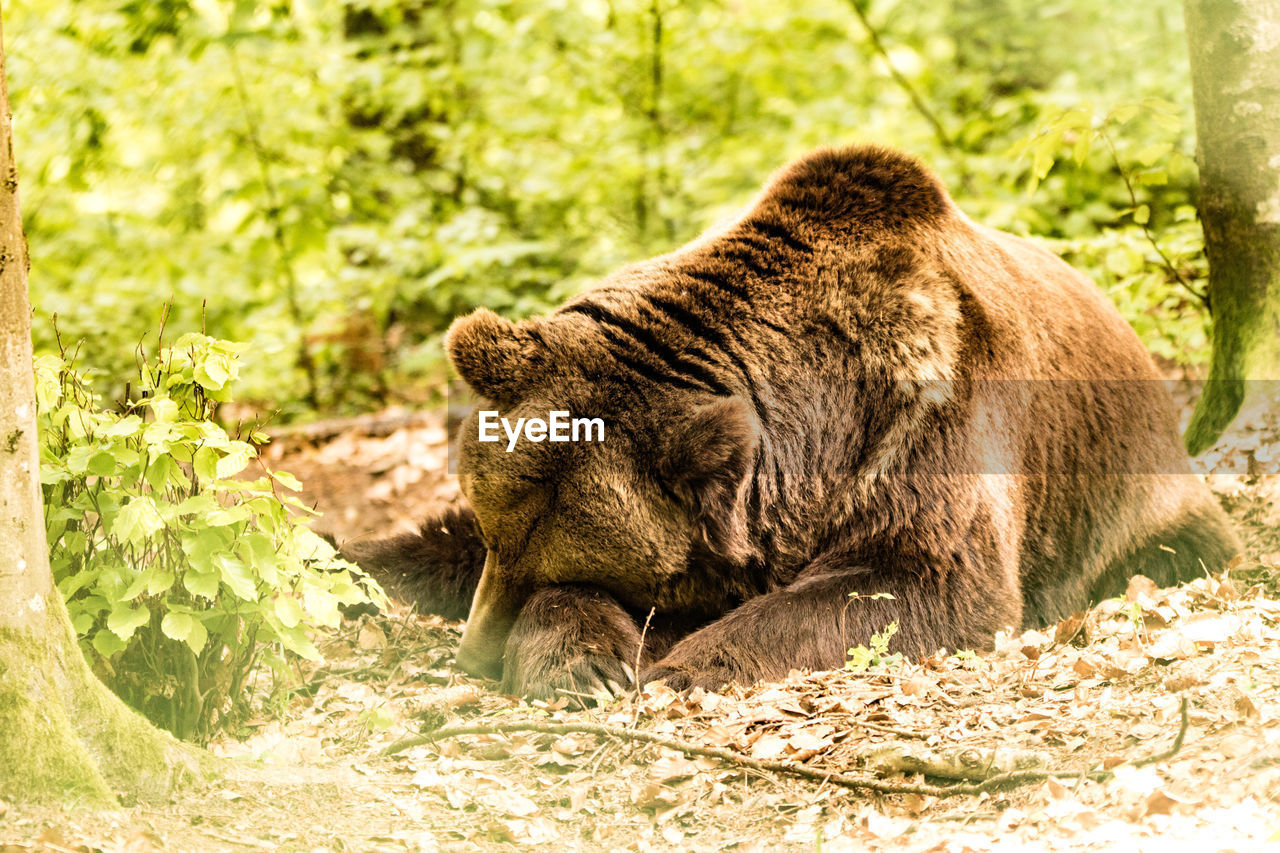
(332, 182)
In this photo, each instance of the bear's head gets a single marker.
(625, 511)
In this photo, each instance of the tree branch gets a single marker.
(1202, 298)
(277, 226)
(917, 101)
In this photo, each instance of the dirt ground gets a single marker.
(1089, 712)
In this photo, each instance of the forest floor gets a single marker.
(1088, 716)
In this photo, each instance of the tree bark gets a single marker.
(1235, 79)
(63, 735)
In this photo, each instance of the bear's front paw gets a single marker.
(581, 677)
(570, 641)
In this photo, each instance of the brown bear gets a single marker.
(852, 389)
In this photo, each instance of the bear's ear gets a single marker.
(496, 357)
(708, 461)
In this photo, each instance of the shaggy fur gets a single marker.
(851, 389)
(436, 568)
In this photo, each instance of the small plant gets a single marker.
(1133, 612)
(181, 577)
(969, 659)
(862, 658)
(876, 656)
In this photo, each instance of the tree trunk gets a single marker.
(1235, 80)
(63, 735)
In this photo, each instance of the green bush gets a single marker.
(182, 575)
(1141, 240)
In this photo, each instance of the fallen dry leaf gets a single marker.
(671, 767)
(508, 803)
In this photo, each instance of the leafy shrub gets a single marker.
(181, 576)
(1141, 241)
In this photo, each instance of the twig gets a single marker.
(277, 226)
(565, 691)
(845, 780)
(725, 755)
(890, 730)
(916, 100)
(1176, 747)
(644, 632)
(1202, 298)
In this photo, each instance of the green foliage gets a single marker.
(876, 655)
(332, 182)
(1153, 249)
(181, 573)
(969, 659)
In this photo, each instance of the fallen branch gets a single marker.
(1184, 723)
(375, 425)
(967, 765)
(891, 730)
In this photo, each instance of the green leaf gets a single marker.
(1125, 113)
(1169, 122)
(1080, 151)
(213, 372)
(106, 643)
(237, 576)
(311, 546)
(200, 544)
(237, 456)
(159, 581)
(123, 621)
(164, 409)
(296, 640)
(323, 607)
(158, 435)
(288, 610)
(377, 719)
(259, 552)
(138, 585)
(137, 521)
(78, 458)
(102, 464)
(1142, 215)
(1149, 155)
(227, 517)
(185, 628)
(213, 435)
(127, 426)
(287, 480)
(206, 465)
(158, 473)
(204, 584)
(1043, 156)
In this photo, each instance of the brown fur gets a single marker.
(852, 389)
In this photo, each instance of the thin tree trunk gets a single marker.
(1235, 79)
(63, 735)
